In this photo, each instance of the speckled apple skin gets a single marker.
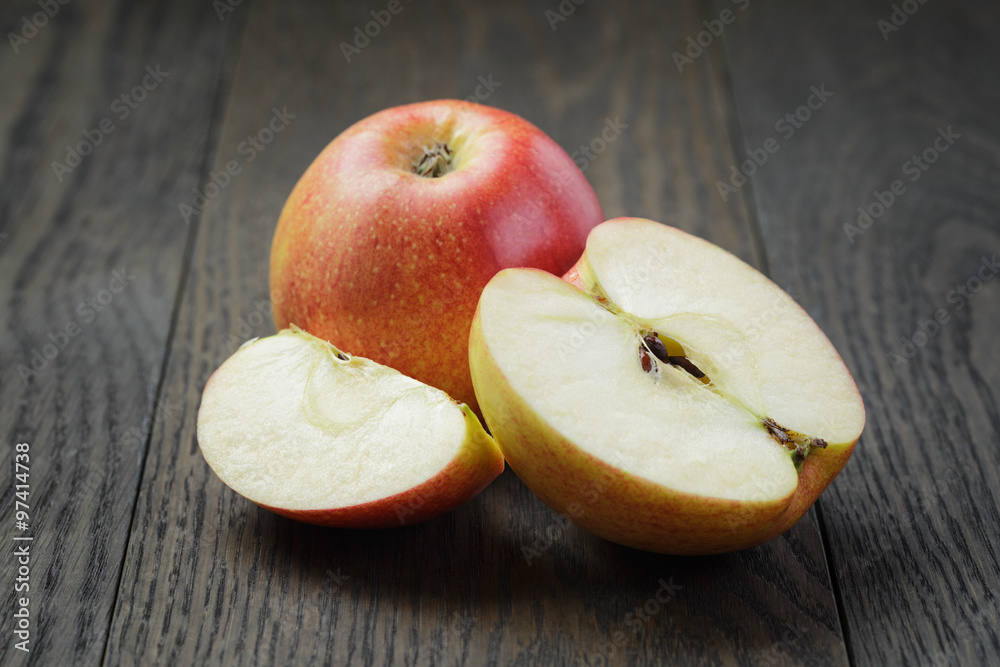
(816, 474)
(625, 508)
(390, 265)
(478, 464)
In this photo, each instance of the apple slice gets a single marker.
(665, 395)
(317, 435)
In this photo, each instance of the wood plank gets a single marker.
(912, 524)
(89, 267)
(212, 579)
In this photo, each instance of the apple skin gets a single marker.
(599, 497)
(625, 508)
(815, 475)
(818, 470)
(390, 264)
(478, 464)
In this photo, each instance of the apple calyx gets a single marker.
(434, 162)
(798, 444)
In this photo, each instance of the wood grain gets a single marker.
(211, 579)
(912, 523)
(87, 410)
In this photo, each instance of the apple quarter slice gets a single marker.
(664, 395)
(320, 436)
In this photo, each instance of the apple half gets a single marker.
(663, 395)
(314, 434)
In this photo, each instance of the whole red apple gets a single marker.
(389, 237)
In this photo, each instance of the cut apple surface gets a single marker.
(315, 434)
(665, 395)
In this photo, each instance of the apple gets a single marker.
(387, 240)
(318, 435)
(665, 395)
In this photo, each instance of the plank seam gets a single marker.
(838, 595)
(737, 142)
(734, 127)
(232, 39)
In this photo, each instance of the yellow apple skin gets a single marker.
(390, 264)
(597, 496)
(818, 470)
(478, 464)
(625, 508)
(816, 473)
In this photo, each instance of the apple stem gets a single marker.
(434, 162)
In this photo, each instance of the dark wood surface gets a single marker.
(140, 554)
(912, 528)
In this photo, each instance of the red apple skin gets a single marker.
(390, 264)
(817, 472)
(478, 463)
(469, 473)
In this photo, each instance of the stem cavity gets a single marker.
(434, 162)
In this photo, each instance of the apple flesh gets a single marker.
(317, 435)
(387, 240)
(666, 395)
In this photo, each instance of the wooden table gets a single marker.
(118, 303)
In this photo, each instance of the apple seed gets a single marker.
(656, 346)
(687, 365)
(645, 360)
